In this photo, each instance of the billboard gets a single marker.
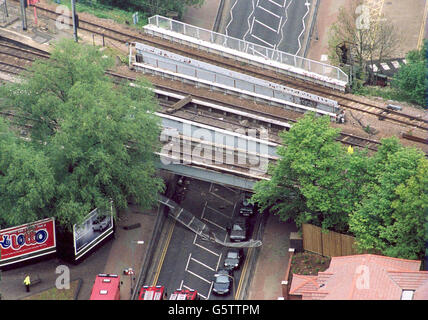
(96, 227)
(27, 241)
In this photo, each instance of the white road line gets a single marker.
(181, 284)
(230, 189)
(275, 3)
(199, 294)
(202, 264)
(188, 260)
(231, 16)
(220, 197)
(269, 12)
(218, 262)
(198, 276)
(215, 224)
(285, 21)
(221, 213)
(266, 26)
(304, 26)
(203, 210)
(270, 45)
(202, 247)
(250, 25)
(211, 287)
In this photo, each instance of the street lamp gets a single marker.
(233, 281)
(130, 271)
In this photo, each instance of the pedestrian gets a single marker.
(27, 283)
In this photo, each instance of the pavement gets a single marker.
(121, 252)
(408, 16)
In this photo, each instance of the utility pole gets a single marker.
(5, 9)
(73, 13)
(23, 15)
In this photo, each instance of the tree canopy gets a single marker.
(91, 141)
(381, 199)
(151, 7)
(411, 80)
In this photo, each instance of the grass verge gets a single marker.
(56, 294)
(106, 12)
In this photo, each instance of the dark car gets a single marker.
(247, 209)
(238, 230)
(223, 281)
(233, 258)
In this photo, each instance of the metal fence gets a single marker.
(249, 48)
(201, 229)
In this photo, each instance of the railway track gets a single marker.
(25, 54)
(345, 100)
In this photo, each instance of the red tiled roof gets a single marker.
(363, 277)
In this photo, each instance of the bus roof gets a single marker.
(105, 287)
(184, 294)
(151, 293)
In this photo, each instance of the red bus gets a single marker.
(184, 294)
(106, 287)
(152, 293)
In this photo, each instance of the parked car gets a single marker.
(234, 258)
(246, 209)
(223, 281)
(238, 230)
(101, 223)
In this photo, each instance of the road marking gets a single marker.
(199, 294)
(266, 26)
(307, 4)
(202, 264)
(198, 276)
(261, 41)
(269, 11)
(231, 16)
(218, 262)
(158, 270)
(281, 6)
(220, 197)
(244, 270)
(202, 247)
(215, 224)
(221, 213)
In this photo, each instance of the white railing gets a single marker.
(282, 57)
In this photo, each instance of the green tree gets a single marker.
(152, 7)
(390, 217)
(312, 181)
(98, 137)
(412, 78)
(27, 182)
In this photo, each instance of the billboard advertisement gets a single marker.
(95, 228)
(27, 241)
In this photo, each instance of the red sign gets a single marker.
(27, 239)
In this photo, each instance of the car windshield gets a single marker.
(237, 227)
(246, 202)
(222, 279)
(232, 255)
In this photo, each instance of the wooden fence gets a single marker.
(330, 244)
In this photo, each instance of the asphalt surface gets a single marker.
(276, 24)
(190, 262)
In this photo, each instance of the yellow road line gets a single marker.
(164, 250)
(244, 270)
(424, 21)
